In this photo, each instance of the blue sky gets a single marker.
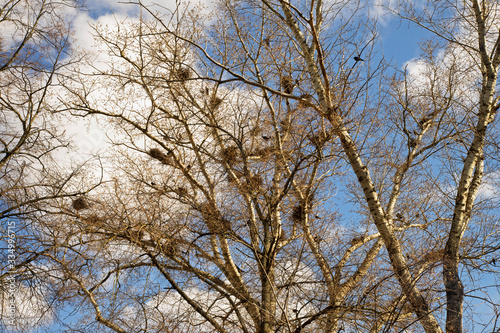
(399, 40)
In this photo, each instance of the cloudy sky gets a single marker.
(398, 43)
(399, 46)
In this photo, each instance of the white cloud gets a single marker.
(291, 300)
(382, 11)
(25, 309)
(449, 72)
(490, 187)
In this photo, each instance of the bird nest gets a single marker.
(319, 139)
(80, 204)
(255, 131)
(215, 102)
(304, 101)
(215, 222)
(183, 74)
(230, 154)
(266, 152)
(297, 213)
(287, 84)
(160, 156)
(170, 248)
(253, 184)
(181, 191)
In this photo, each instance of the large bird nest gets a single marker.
(160, 156)
(80, 204)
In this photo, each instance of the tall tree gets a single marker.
(227, 194)
(472, 35)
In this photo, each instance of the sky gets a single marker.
(399, 41)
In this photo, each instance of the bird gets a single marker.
(153, 183)
(267, 41)
(356, 58)
(494, 262)
(265, 137)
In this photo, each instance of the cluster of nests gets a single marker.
(252, 183)
(231, 154)
(214, 102)
(168, 245)
(183, 74)
(287, 84)
(181, 191)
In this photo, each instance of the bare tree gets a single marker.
(227, 202)
(34, 48)
(472, 35)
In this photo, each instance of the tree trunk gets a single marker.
(268, 304)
